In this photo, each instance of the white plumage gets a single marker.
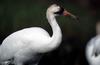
(25, 44)
(93, 48)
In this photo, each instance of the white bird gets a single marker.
(24, 45)
(93, 48)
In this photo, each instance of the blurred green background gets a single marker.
(19, 14)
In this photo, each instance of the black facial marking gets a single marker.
(60, 11)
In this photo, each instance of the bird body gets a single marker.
(93, 48)
(23, 39)
(26, 44)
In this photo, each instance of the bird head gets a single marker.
(58, 10)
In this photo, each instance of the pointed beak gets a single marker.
(66, 13)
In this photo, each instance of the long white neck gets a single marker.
(57, 35)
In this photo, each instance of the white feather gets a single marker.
(25, 44)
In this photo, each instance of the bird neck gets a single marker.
(57, 35)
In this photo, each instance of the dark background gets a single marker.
(19, 14)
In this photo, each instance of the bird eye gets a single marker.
(60, 11)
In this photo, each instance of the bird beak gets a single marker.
(66, 13)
